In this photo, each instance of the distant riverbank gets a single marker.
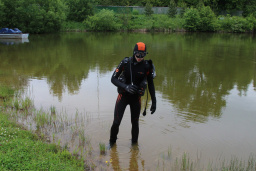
(192, 21)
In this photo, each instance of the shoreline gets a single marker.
(153, 31)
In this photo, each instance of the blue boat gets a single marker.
(6, 33)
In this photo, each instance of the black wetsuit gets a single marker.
(140, 71)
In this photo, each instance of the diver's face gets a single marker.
(139, 55)
(138, 59)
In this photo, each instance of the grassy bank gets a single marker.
(194, 20)
(21, 149)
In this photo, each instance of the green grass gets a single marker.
(73, 26)
(6, 92)
(102, 148)
(22, 150)
(156, 22)
(53, 110)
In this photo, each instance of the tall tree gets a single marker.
(79, 10)
(249, 8)
(148, 9)
(172, 10)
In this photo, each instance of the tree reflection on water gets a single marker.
(195, 72)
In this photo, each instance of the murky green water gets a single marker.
(205, 88)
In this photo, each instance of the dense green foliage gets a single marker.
(172, 10)
(79, 10)
(104, 20)
(235, 24)
(202, 19)
(148, 9)
(249, 8)
(33, 16)
(207, 20)
(45, 16)
(191, 19)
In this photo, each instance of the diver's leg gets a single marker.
(118, 115)
(135, 106)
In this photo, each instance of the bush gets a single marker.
(169, 24)
(159, 22)
(235, 24)
(191, 19)
(124, 20)
(175, 23)
(135, 12)
(138, 21)
(105, 20)
(252, 21)
(207, 19)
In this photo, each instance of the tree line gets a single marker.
(44, 16)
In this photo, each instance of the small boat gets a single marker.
(6, 33)
(13, 41)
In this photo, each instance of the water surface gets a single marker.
(205, 89)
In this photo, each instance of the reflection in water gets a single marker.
(199, 72)
(133, 160)
(195, 71)
(115, 159)
(13, 41)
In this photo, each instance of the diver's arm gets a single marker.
(151, 89)
(116, 74)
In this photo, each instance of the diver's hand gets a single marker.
(153, 107)
(132, 89)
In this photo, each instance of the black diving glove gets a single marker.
(153, 107)
(132, 89)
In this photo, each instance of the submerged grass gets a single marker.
(53, 110)
(102, 148)
(185, 163)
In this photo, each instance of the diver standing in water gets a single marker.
(131, 78)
